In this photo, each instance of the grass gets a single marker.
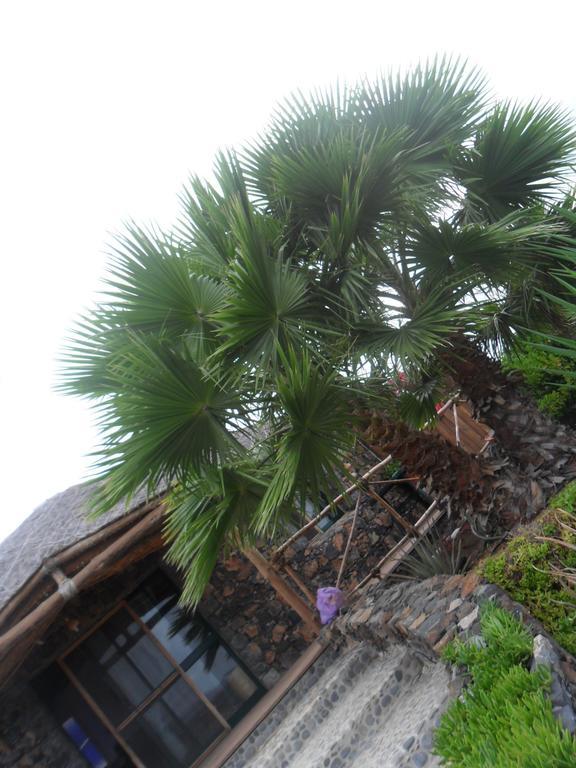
(531, 571)
(504, 719)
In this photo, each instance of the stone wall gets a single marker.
(318, 560)
(29, 735)
(426, 615)
(247, 613)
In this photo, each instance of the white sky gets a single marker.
(107, 106)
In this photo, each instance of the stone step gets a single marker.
(312, 686)
(322, 697)
(405, 737)
(362, 714)
(305, 738)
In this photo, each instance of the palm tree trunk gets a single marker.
(544, 450)
(490, 492)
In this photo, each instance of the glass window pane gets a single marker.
(119, 666)
(222, 681)
(182, 634)
(76, 717)
(173, 731)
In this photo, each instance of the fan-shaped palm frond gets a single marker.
(152, 288)
(497, 251)
(413, 334)
(520, 156)
(268, 304)
(437, 103)
(312, 434)
(165, 418)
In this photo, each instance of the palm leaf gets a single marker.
(165, 419)
(313, 437)
(520, 157)
(209, 512)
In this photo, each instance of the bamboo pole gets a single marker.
(311, 523)
(15, 604)
(395, 481)
(349, 542)
(396, 515)
(447, 404)
(271, 575)
(394, 557)
(456, 424)
(299, 583)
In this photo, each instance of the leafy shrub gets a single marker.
(566, 499)
(433, 556)
(529, 570)
(504, 718)
(546, 376)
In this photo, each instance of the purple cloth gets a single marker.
(329, 600)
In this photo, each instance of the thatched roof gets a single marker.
(55, 525)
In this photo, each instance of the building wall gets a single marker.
(29, 735)
(317, 561)
(263, 631)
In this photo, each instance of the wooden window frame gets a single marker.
(177, 673)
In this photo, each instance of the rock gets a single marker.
(270, 678)
(338, 542)
(251, 630)
(469, 584)
(417, 622)
(569, 671)
(455, 604)
(278, 632)
(408, 743)
(543, 653)
(253, 652)
(444, 640)
(566, 716)
(468, 620)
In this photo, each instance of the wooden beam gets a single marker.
(14, 606)
(299, 583)
(89, 575)
(269, 572)
(396, 515)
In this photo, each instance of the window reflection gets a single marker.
(119, 666)
(162, 677)
(222, 681)
(174, 730)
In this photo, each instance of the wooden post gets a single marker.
(267, 570)
(396, 515)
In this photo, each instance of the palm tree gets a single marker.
(364, 235)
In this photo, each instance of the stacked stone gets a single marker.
(427, 615)
(318, 560)
(247, 613)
